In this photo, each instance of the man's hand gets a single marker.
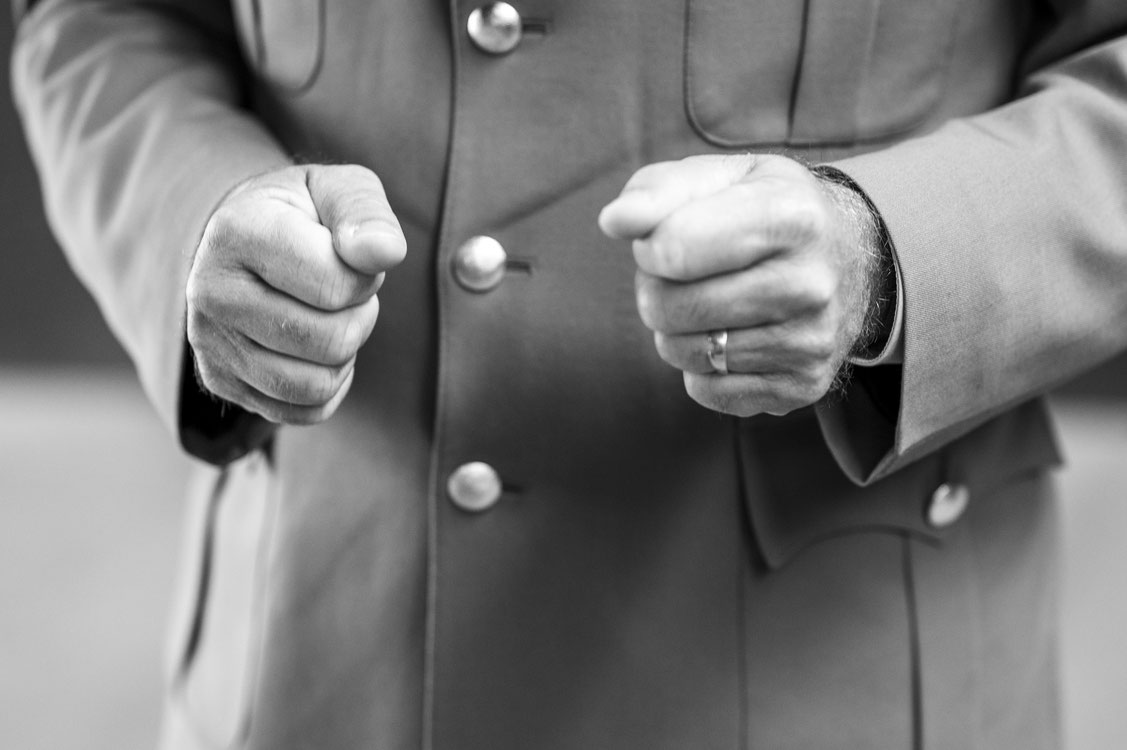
(282, 292)
(757, 246)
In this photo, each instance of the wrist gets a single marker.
(873, 249)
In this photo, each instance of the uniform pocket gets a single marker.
(797, 496)
(283, 40)
(221, 636)
(819, 72)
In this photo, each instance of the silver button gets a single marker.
(948, 503)
(479, 264)
(475, 486)
(495, 28)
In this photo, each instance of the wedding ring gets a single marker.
(718, 351)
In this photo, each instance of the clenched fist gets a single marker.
(282, 291)
(761, 249)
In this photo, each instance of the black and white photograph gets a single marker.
(563, 375)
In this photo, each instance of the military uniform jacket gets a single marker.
(871, 573)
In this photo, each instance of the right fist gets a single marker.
(282, 292)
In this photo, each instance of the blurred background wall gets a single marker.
(90, 488)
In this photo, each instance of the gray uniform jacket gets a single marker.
(871, 573)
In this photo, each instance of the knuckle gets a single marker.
(352, 337)
(209, 375)
(201, 293)
(649, 175)
(665, 349)
(280, 387)
(358, 173)
(334, 291)
(345, 340)
(811, 383)
(271, 411)
(318, 414)
(699, 389)
(670, 247)
(321, 386)
(225, 235)
(703, 390)
(278, 412)
(799, 217)
(337, 347)
(817, 288)
(296, 333)
(650, 305)
(195, 327)
(220, 227)
(826, 378)
(195, 295)
(785, 394)
(819, 344)
(781, 408)
(783, 400)
(692, 311)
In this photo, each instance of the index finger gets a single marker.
(733, 229)
(657, 190)
(295, 256)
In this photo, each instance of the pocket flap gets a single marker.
(284, 40)
(797, 495)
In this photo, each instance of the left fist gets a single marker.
(757, 250)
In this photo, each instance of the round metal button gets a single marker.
(948, 503)
(479, 264)
(475, 486)
(495, 28)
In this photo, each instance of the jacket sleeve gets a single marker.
(1010, 229)
(132, 110)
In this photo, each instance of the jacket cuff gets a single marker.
(214, 430)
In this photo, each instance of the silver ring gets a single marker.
(718, 351)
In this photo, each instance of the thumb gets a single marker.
(657, 190)
(351, 203)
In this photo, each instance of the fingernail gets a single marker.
(375, 228)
